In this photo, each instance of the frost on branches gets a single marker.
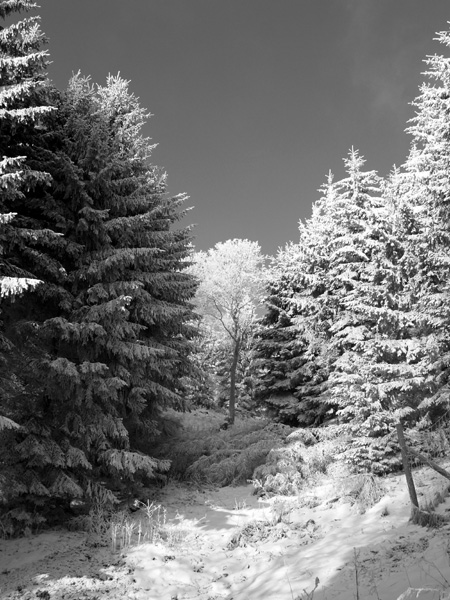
(230, 287)
(103, 343)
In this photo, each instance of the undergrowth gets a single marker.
(300, 462)
(362, 490)
(275, 526)
(202, 452)
(275, 458)
(304, 461)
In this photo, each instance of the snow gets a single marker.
(377, 555)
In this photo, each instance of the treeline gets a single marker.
(357, 324)
(355, 331)
(96, 313)
(107, 316)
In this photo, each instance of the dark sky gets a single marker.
(255, 100)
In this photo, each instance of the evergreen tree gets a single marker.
(397, 373)
(342, 316)
(402, 368)
(31, 239)
(24, 104)
(363, 280)
(427, 189)
(114, 332)
(121, 348)
(288, 360)
(291, 353)
(380, 372)
(26, 233)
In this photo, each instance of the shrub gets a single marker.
(204, 453)
(363, 490)
(258, 531)
(236, 463)
(289, 468)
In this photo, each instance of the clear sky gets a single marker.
(255, 100)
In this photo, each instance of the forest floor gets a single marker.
(228, 544)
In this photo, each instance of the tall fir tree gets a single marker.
(121, 349)
(427, 188)
(31, 239)
(289, 361)
(366, 307)
(397, 373)
(24, 104)
(114, 331)
(345, 312)
(406, 362)
(292, 351)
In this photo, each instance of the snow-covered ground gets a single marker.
(227, 544)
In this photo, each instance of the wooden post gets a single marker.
(406, 466)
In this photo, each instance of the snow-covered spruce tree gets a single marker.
(30, 238)
(412, 353)
(344, 311)
(118, 347)
(398, 373)
(122, 348)
(368, 332)
(24, 104)
(23, 66)
(290, 364)
(292, 351)
(367, 309)
(427, 189)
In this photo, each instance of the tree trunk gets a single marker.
(234, 364)
(430, 463)
(406, 466)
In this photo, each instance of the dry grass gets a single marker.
(121, 529)
(426, 516)
(307, 595)
(435, 497)
(427, 519)
(150, 526)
